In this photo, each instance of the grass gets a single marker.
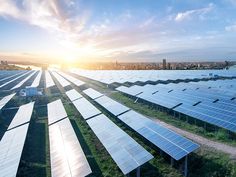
(221, 135)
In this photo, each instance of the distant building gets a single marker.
(164, 64)
(168, 66)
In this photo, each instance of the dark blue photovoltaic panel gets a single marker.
(168, 141)
(124, 150)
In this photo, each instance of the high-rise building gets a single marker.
(164, 64)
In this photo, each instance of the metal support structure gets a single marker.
(186, 166)
(161, 152)
(174, 113)
(172, 162)
(138, 172)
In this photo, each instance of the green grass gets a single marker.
(221, 135)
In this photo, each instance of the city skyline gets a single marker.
(127, 31)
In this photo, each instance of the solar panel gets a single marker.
(85, 108)
(8, 82)
(56, 111)
(23, 115)
(112, 106)
(11, 147)
(93, 94)
(73, 95)
(168, 141)
(37, 80)
(23, 81)
(124, 150)
(70, 78)
(8, 77)
(66, 155)
(5, 100)
(63, 82)
(49, 80)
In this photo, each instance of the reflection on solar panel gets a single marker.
(5, 78)
(112, 106)
(168, 141)
(22, 116)
(60, 79)
(5, 100)
(11, 147)
(85, 108)
(37, 80)
(66, 155)
(49, 80)
(92, 93)
(56, 111)
(194, 99)
(73, 95)
(23, 81)
(70, 78)
(8, 82)
(125, 151)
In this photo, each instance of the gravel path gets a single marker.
(201, 140)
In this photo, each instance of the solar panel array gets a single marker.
(49, 80)
(63, 82)
(124, 150)
(204, 100)
(70, 78)
(37, 79)
(56, 111)
(5, 100)
(22, 116)
(11, 147)
(16, 78)
(168, 141)
(66, 155)
(121, 76)
(23, 81)
(92, 93)
(6, 76)
(73, 95)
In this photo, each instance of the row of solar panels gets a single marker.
(201, 103)
(12, 142)
(125, 151)
(121, 76)
(20, 78)
(63, 79)
(168, 141)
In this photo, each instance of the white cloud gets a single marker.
(199, 12)
(231, 28)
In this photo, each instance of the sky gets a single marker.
(117, 30)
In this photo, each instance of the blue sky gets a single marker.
(110, 30)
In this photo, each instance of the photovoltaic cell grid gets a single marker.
(10, 75)
(70, 78)
(63, 82)
(121, 76)
(112, 106)
(23, 115)
(37, 79)
(168, 141)
(11, 147)
(93, 94)
(5, 100)
(85, 108)
(66, 155)
(73, 95)
(20, 76)
(49, 80)
(125, 151)
(56, 111)
(202, 103)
